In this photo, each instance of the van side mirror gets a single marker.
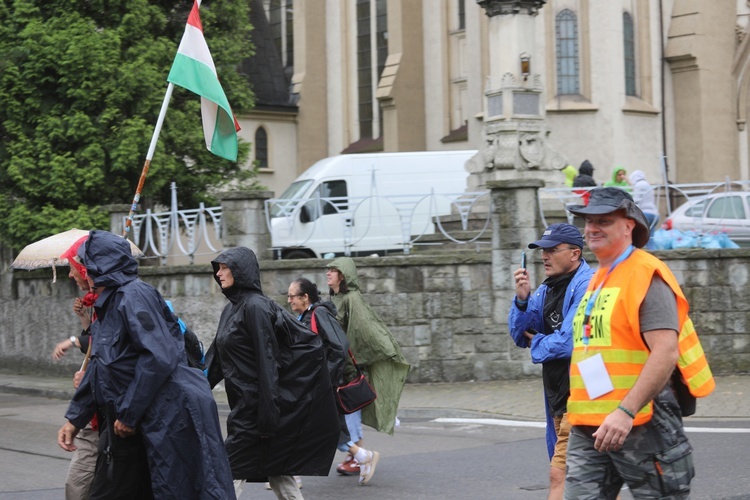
(309, 212)
(304, 214)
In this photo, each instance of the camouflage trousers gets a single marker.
(655, 461)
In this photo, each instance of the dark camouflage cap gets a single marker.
(605, 200)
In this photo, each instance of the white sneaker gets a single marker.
(367, 468)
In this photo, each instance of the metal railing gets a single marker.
(195, 232)
(352, 220)
(668, 196)
(178, 232)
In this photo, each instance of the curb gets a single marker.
(33, 391)
(433, 413)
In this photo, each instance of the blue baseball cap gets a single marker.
(559, 233)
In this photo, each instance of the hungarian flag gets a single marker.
(194, 69)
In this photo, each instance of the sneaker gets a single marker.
(349, 458)
(367, 469)
(349, 467)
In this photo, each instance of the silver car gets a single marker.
(715, 213)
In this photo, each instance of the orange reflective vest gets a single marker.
(615, 333)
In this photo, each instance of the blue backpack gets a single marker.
(196, 355)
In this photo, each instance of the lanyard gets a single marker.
(299, 318)
(590, 304)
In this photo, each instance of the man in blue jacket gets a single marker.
(544, 322)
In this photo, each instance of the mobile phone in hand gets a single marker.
(523, 260)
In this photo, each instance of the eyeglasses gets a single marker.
(291, 296)
(554, 250)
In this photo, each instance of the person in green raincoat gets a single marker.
(374, 348)
(619, 179)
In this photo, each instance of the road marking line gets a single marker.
(718, 430)
(491, 421)
(542, 425)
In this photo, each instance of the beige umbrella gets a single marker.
(46, 252)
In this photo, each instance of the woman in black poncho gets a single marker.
(283, 419)
(304, 300)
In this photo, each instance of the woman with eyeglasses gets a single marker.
(304, 300)
(376, 352)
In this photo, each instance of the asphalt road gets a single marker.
(425, 459)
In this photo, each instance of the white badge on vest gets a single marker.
(595, 376)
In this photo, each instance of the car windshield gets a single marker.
(283, 205)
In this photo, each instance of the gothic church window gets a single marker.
(457, 73)
(372, 50)
(261, 148)
(280, 20)
(629, 52)
(566, 38)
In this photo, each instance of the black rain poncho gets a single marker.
(138, 363)
(333, 337)
(283, 418)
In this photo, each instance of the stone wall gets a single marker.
(442, 310)
(439, 308)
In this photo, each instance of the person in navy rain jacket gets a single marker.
(543, 321)
(160, 435)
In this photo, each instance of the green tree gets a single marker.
(81, 86)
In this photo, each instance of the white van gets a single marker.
(366, 203)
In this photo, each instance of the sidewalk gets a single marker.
(504, 399)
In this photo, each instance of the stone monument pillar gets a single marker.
(515, 138)
(243, 222)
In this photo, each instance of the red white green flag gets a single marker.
(194, 69)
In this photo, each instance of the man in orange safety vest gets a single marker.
(636, 366)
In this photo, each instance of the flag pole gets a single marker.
(149, 156)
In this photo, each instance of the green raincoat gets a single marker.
(615, 183)
(374, 348)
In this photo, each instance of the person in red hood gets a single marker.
(82, 464)
(81, 305)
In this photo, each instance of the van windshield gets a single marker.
(283, 205)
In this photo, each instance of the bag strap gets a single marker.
(313, 323)
(354, 361)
